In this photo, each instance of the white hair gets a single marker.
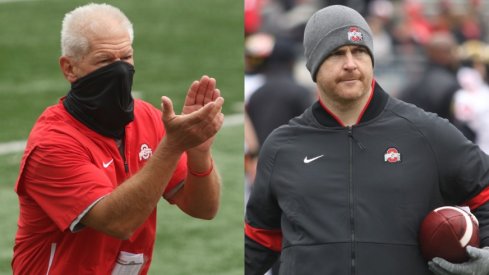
(87, 20)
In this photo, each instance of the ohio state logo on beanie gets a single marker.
(354, 34)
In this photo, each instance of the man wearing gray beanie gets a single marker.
(331, 28)
(343, 188)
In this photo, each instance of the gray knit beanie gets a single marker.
(331, 28)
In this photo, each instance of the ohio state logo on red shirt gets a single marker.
(354, 34)
(145, 152)
(392, 155)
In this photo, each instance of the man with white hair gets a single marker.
(97, 163)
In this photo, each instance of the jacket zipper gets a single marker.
(350, 182)
(124, 156)
(122, 152)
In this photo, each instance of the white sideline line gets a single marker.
(11, 1)
(233, 120)
(19, 145)
(12, 147)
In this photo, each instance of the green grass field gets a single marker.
(176, 41)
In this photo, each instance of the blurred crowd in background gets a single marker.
(431, 53)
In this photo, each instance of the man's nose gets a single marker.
(350, 62)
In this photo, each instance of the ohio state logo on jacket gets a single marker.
(145, 152)
(392, 155)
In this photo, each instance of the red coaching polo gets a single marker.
(67, 167)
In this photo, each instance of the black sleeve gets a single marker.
(258, 259)
(462, 166)
(482, 214)
(262, 224)
(464, 173)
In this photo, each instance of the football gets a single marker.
(446, 231)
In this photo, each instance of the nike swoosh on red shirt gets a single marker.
(108, 163)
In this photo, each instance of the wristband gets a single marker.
(203, 174)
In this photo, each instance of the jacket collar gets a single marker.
(373, 108)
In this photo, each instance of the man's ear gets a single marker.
(66, 65)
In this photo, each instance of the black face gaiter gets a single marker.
(102, 99)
